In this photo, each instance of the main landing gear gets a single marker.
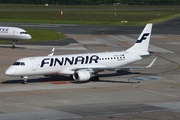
(95, 78)
(25, 79)
(14, 44)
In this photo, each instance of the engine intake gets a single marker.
(82, 76)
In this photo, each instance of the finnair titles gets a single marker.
(83, 67)
(74, 60)
(13, 33)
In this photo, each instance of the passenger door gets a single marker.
(34, 65)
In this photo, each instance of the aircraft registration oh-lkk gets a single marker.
(13, 33)
(83, 67)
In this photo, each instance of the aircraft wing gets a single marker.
(100, 69)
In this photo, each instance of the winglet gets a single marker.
(52, 52)
(150, 65)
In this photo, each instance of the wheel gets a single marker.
(14, 44)
(95, 78)
(25, 78)
(25, 82)
(13, 47)
(71, 77)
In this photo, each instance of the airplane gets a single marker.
(83, 67)
(14, 34)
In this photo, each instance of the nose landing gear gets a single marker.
(25, 79)
(14, 44)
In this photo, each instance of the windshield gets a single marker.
(19, 63)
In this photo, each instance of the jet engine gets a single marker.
(82, 76)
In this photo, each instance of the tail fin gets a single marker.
(142, 43)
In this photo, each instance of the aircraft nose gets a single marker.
(29, 36)
(9, 71)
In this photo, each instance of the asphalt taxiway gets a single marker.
(118, 95)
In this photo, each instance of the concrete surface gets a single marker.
(156, 97)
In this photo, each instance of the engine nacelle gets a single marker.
(82, 76)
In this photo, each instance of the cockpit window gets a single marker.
(16, 63)
(22, 64)
(23, 33)
(19, 63)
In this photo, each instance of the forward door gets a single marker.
(34, 65)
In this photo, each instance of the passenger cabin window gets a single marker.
(23, 33)
(19, 63)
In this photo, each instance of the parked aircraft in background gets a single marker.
(14, 34)
(83, 67)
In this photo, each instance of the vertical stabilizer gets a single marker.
(142, 44)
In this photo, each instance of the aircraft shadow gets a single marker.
(118, 73)
(59, 78)
(38, 80)
(12, 48)
(112, 81)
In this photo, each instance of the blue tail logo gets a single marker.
(142, 38)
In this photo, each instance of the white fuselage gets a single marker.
(64, 64)
(13, 33)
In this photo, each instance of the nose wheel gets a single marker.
(25, 79)
(14, 44)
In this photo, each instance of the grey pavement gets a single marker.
(143, 94)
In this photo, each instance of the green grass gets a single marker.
(99, 15)
(39, 35)
(44, 35)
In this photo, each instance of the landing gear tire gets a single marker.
(14, 44)
(71, 77)
(95, 78)
(25, 82)
(25, 78)
(13, 47)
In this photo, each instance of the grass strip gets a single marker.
(39, 35)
